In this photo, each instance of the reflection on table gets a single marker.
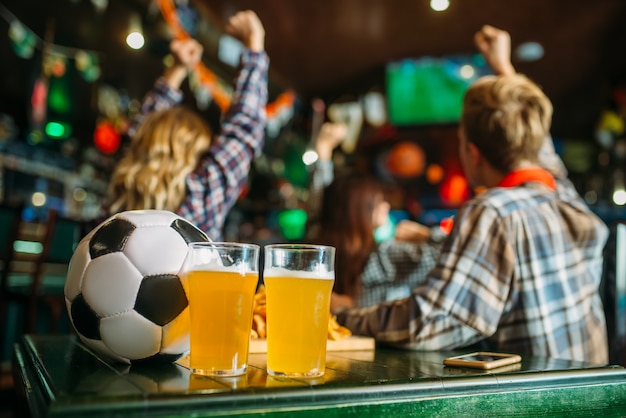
(58, 376)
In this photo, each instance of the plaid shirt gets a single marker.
(214, 186)
(519, 272)
(394, 268)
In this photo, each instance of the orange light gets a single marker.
(434, 173)
(406, 159)
(454, 190)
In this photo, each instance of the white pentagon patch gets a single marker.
(76, 270)
(130, 335)
(141, 218)
(156, 250)
(111, 284)
(100, 347)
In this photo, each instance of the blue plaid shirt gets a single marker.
(519, 273)
(214, 186)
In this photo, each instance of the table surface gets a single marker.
(59, 376)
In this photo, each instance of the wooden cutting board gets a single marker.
(352, 343)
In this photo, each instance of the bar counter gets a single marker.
(57, 376)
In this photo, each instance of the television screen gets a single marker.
(430, 90)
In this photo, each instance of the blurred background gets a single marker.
(73, 73)
(395, 71)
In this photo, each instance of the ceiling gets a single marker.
(333, 48)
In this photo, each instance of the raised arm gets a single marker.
(329, 137)
(247, 28)
(221, 175)
(166, 91)
(495, 46)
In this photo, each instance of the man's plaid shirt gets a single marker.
(520, 272)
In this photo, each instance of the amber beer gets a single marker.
(298, 309)
(220, 307)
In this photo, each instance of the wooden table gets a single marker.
(56, 376)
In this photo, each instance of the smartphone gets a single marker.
(482, 360)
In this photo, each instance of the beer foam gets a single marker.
(238, 268)
(283, 272)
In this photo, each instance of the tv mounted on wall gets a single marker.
(430, 90)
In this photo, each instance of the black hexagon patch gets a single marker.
(161, 298)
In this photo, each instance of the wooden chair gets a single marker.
(37, 280)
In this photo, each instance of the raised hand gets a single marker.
(186, 52)
(495, 46)
(247, 27)
(329, 137)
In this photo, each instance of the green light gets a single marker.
(58, 95)
(57, 130)
(292, 223)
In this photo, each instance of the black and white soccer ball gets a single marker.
(124, 294)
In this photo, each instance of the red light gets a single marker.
(106, 138)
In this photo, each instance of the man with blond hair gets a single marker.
(521, 268)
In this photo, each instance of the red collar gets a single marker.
(515, 178)
(512, 179)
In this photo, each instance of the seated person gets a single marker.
(521, 267)
(346, 212)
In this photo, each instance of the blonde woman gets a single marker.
(174, 162)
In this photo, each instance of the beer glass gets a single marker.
(298, 281)
(222, 278)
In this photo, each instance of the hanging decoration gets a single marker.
(24, 43)
(87, 63)
(55, 65)
(279, 110)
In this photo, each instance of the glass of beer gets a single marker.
(298, 280)
(221, 279)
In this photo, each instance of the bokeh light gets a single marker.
(309, 157)
(439, 5)
(38, 199)
(135, 40)
(619, 197)
(434, 173)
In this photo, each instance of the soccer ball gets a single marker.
(124, 295)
